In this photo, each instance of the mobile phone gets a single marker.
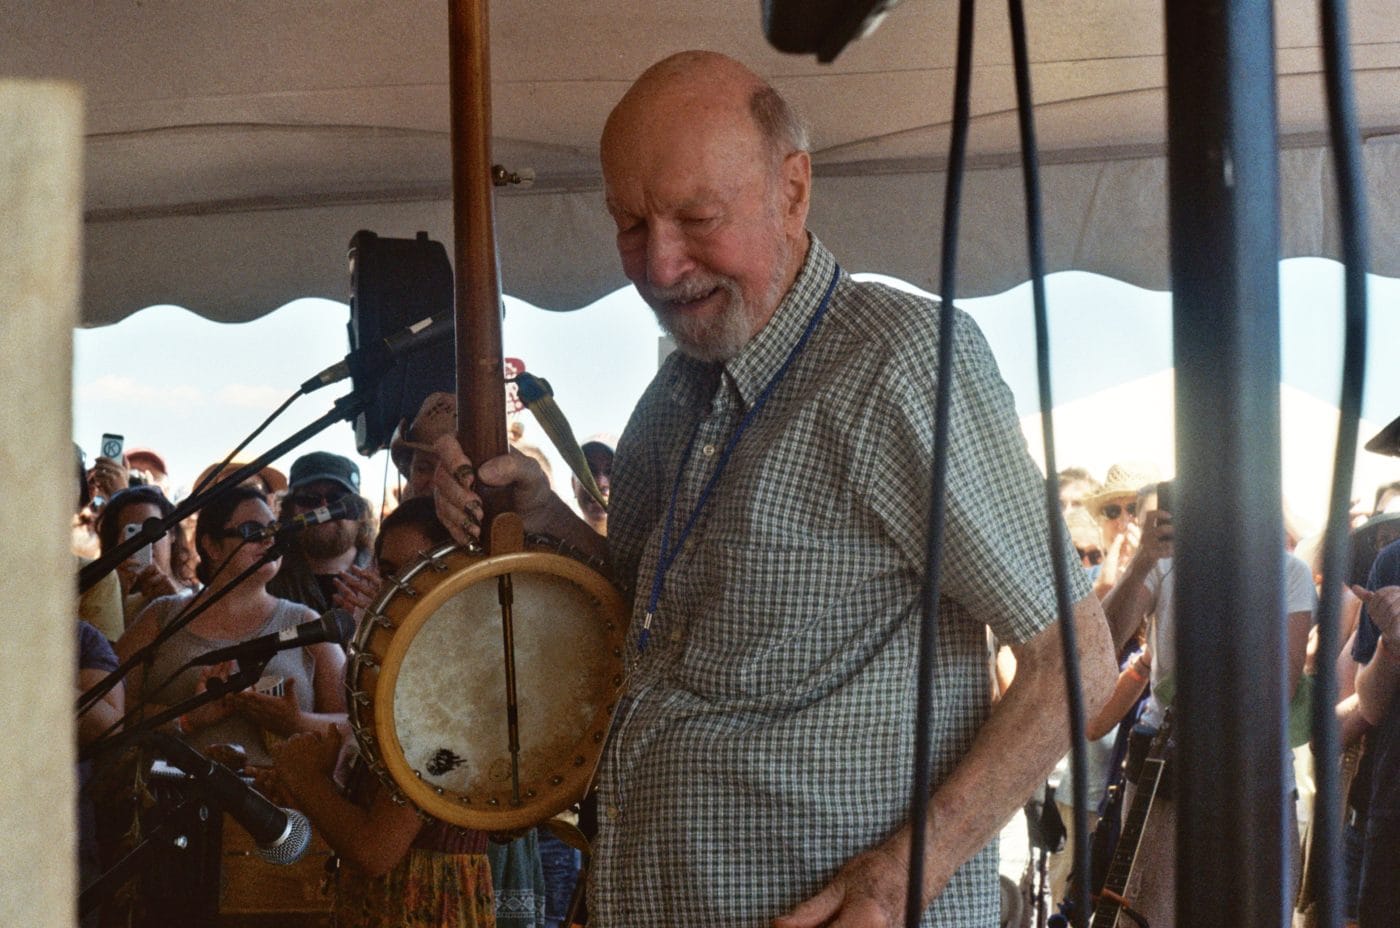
(1164, 495)
(142, 555)
(112, 446)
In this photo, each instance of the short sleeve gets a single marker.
(1299, 592)
(94, 650)
(996, 561)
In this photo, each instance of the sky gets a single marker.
(192, 389)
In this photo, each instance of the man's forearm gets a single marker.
(559, 521)
(1026, 734)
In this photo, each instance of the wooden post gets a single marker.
(41, 215)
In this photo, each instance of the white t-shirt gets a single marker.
(1299, 596)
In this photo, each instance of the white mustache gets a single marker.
(685, 291)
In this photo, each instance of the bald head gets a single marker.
(707, 177)
(694, 79)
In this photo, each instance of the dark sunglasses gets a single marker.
(245, 530)
(1091, 555)
(1112, 511)
(304, 500)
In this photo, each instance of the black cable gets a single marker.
(216, 471)
(1035, 248)
(928, 633)
(1346, 158)
(187, 614)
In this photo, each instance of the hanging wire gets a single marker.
(1346, 157)
(928, 635)
(1035, 248)
(223, 468)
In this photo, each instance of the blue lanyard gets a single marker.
(668, 553)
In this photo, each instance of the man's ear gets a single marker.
(796, 180)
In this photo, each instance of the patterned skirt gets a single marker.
(425, 890)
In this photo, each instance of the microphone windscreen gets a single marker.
(292, 846)
(333, 621)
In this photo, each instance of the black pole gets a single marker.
(1223, 177)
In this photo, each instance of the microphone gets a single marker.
(326, 628)
(349, 506)
(282, 835)
(376, 357)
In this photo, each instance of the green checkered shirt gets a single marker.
(768, 733)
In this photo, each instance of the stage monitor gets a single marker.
(395, 282)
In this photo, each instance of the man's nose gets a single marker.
(668, 256)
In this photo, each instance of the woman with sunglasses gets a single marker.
(309, 678)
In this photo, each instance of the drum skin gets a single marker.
(427, 684)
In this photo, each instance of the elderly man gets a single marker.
(769, 520)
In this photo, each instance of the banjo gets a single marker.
(483, 678)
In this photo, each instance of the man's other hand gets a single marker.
(869, 892)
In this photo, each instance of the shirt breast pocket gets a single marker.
(765, 622)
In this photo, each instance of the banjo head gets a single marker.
(428, 680)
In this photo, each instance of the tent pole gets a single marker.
(1232, 869)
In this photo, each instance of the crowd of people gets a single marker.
(1122, 533)
(289, 732)
(767, 523)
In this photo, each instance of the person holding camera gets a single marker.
(159, 569)
(1146, 590)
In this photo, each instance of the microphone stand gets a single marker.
(249, 671)
(343, 409)
(174, 830)
(181, 826)
(186, 616)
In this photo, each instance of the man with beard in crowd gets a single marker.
(317, 556)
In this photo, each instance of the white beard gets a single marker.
(722, 336)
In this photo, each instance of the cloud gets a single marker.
(112, 388)
(251, 396)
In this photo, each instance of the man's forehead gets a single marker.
(670, 195)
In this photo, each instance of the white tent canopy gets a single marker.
(233, 149)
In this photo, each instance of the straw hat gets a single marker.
(436, 417)
(1123, 480)
(272, 478)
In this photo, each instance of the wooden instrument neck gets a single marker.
(481, 415)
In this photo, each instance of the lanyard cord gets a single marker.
(668, 553)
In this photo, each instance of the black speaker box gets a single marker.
(395, 282)
(820, 27)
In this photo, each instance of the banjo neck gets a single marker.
(481, 415)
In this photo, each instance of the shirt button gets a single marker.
(612, 813)
(708, 451)
(675, 634)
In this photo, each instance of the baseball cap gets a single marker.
(322, 465)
